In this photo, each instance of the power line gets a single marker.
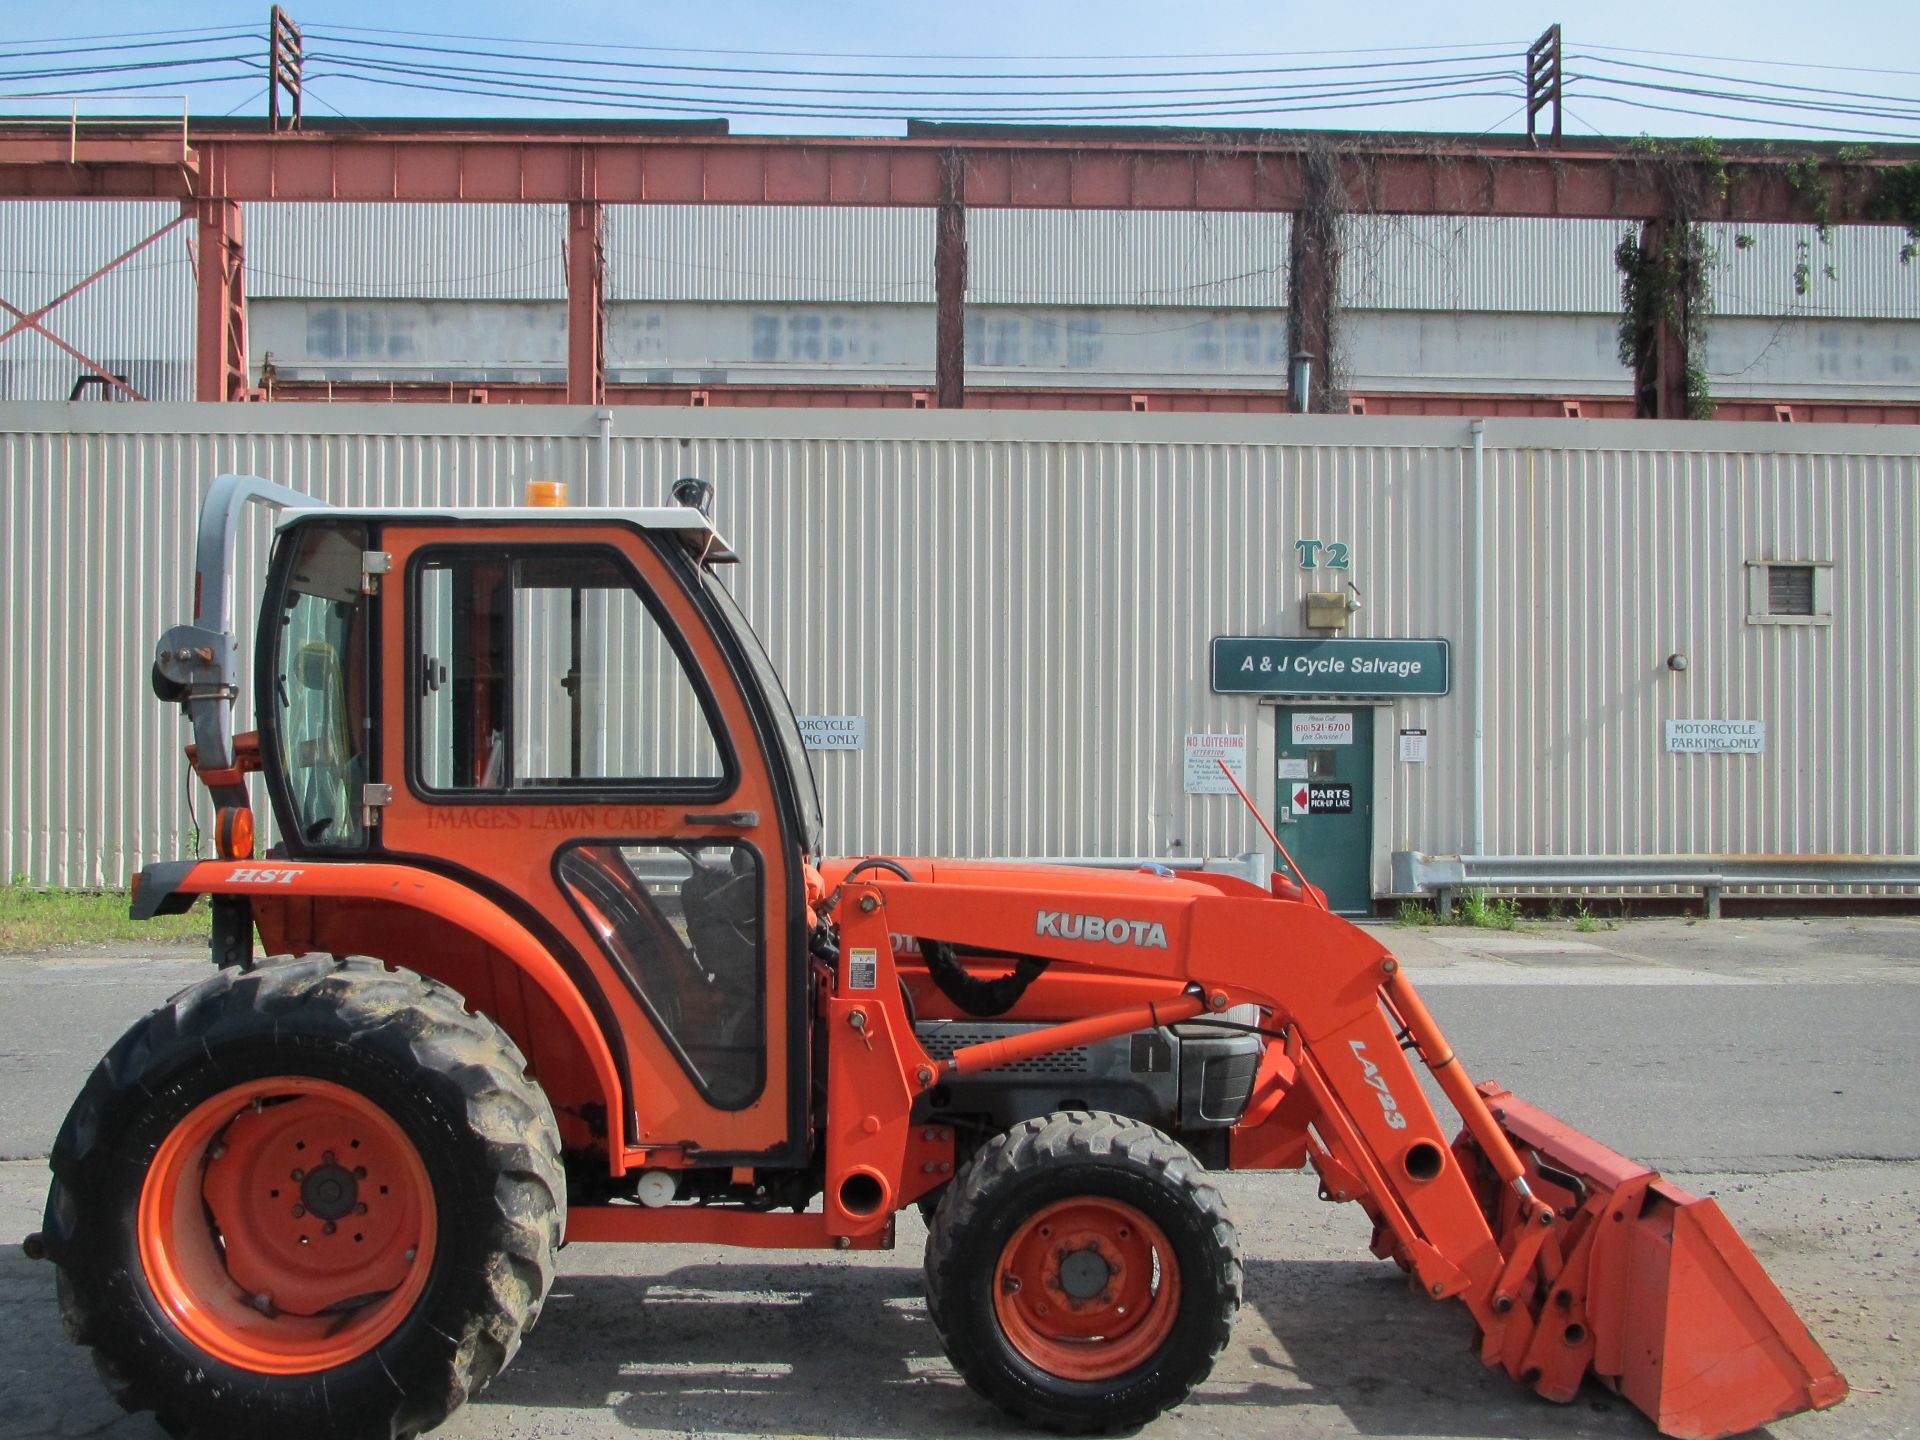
(1857, 131)
(1345, 89)
(1741, 79)
(1743, 60)
(1506, 46)
(57, 72)
(504, 86)
(94, 49)
(1817, 107)
(520, 56)
(201, 30)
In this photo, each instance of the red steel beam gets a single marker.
(586, 305)
(220, 342)
(950, 287)
(1081, 398)
(1441, 177)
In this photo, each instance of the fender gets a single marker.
(170, 887)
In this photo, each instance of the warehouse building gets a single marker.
(815, 305)
(1039, 634)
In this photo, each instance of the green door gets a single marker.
(1325, 798)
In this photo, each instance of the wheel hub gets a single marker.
(1084, 1273)
(330, 1192)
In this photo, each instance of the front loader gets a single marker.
(558, 958)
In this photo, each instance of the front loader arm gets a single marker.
(1571, 1258)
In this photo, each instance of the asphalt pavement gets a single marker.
(1769, 1063)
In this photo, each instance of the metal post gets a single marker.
(586, 304)
(1300, 382)
(1545, 82)
(1478, 602)
(950, 285)
(599, 488)
(285, 60)
(220, 349)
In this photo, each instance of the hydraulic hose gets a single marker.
(985, 998)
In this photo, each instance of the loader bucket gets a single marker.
(1653, 1290)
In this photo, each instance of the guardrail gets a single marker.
(78, 146)
(1444, 876)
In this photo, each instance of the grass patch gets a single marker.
(1588, 923)
(35, 919)
(1487, 912)
(1475, 909)
(1415, 912)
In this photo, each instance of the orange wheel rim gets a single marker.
(287, 1225)
(1087, 1288)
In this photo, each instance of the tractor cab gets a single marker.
(566, 712)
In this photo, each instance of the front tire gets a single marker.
(317, 1198)
(1082, 1272)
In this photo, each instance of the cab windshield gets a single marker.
(806, 791)
(316, 692)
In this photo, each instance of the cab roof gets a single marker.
(695, 531)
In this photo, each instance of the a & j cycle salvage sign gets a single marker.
(1277, 665)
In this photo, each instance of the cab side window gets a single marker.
(317, 696)
(547, 669)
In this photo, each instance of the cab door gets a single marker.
(583, 746)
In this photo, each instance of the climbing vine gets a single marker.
(1318, 238)
(1668, 284)
(1895, 198)
(1666, 277)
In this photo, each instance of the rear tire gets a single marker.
(342, 1301)
(1082, 1272)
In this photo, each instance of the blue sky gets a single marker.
(1881, 38)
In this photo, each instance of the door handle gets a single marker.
(733, 819)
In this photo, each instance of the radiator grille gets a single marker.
(942, 1042)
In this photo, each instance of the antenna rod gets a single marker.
(1292, 864)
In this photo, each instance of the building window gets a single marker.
(1790, 592)
(1790, 589)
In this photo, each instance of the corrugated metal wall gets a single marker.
(137, 320)
(473, 293)
(1020, 606)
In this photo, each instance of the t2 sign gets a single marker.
(1315, 553)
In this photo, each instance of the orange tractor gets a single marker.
(562, 962)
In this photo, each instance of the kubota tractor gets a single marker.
(560, 959)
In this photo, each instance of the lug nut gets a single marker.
(299, 1212)
(299, 1175)
(328, 1228)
